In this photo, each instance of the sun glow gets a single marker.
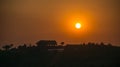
(78, 25)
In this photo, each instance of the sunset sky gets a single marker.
(28, 21)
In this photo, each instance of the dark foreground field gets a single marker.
(83, 55)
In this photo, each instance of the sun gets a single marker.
(78, 25)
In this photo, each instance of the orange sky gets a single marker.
(27, 21)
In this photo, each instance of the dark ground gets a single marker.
(84, 55)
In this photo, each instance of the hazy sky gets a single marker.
(27, 21)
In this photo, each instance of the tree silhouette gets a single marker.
(22, 47)
(44, 43)
(62, 43)
(102, 44)
(7, 47)
(109, 44)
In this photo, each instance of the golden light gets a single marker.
(78, 25)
